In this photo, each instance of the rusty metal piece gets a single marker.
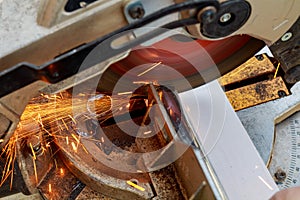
(33, 168)
(97, 175)
(256, 66)
(257, 93)
(34, 158)
(191, 176)
(166, 185)
(62, 184)
(253, 83)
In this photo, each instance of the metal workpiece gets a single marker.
(260, 120)
(242, 174)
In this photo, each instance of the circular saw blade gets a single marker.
(171, 60)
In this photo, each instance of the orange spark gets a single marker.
(72, 119)
(149, 69)
(49, 188)
(46, 111)
(33, 153)
(35, 171)
(48, 144)
(77, 140)
(65, 124)
(74, 146)
(85, 149)
(171, 111)
(160, 95)
(61, 171)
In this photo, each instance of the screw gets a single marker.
(281, 93)
(225, 17)
(259, 57)
(208, 15)
(136, 11)
(286, 36)
(280, 175)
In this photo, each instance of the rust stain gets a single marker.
(250, 69)
(257, 93)
(253, 94)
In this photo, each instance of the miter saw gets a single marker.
(176, 136)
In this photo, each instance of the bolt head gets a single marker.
(136, 11)
(280, 175)
(281, 93)
(286, 36)
(225, 17)
(259, 57)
